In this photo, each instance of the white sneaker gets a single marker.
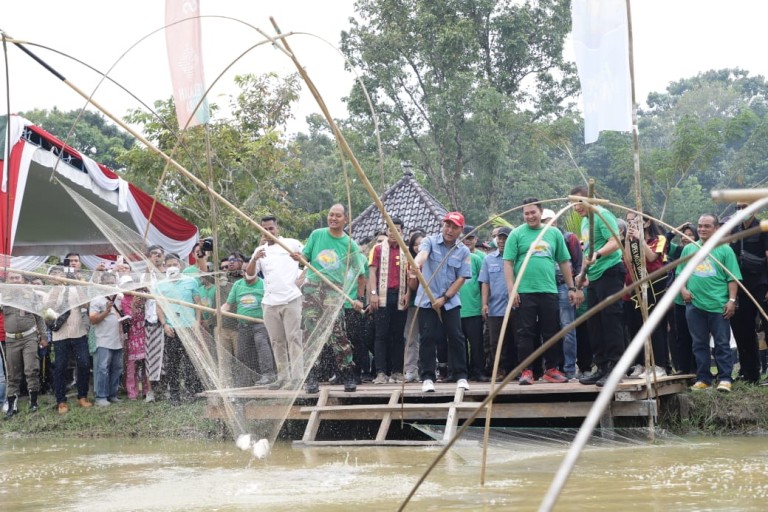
(150, 397)
(427, 386)
(463, 384)
(102, 402)
(637, 370)
(658, 370)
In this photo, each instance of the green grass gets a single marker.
(742, 411)
(127, 419)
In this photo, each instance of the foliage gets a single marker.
(91, 133)
(251, 163)
(462, 81)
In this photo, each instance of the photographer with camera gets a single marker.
(105, 318)
(69, 334)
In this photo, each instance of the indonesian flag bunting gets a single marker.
(183, 41)
(601, 44)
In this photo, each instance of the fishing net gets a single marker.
(232, 363)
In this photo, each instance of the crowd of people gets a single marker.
(526, 284)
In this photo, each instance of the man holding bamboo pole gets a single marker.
(605, 272)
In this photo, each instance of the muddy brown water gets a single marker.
(717, 474)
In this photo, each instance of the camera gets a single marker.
(65, 263)
(206, 246)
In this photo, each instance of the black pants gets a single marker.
(432, 332)
(685, 360)
(360, 331)
(744, 326)
(472, 327)
(538, 319)
(389, 344)
(606, 329)
(179, 366)
(508, 359)
(634, 320)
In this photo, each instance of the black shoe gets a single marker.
(350, 382)
(33, 401)
(311, 385)
(600, 383)
(13, 406)
(480, 378)
(594, 377)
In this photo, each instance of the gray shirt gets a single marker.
(108, 330)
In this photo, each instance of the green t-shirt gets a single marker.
(208, 299)
(247, 298)
(469, 293)
(709, 283)
(539, 276)
(603, 233)
(337, 258)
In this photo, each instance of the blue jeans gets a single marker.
(567, 316)
(61, 350)
(703, 324)
(109, 370)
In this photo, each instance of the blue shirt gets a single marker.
(185, 289)
(456, 266)
(492, 273)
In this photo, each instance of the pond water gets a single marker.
(118, 475)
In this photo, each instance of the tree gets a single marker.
(91, 133)
(458, 78)
(254, 166)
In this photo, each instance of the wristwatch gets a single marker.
(572, 289)
(373, 292)
(732, 300)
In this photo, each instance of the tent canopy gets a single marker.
(39, 217)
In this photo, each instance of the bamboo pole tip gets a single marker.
(739, 195)
(764, 226)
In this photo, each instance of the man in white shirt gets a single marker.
(281, 303)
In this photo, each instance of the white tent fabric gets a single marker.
(45, 220)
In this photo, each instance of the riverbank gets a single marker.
(743, 411)
(126, 419)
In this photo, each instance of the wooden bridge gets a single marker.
(447, 406)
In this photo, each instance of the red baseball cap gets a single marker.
(454, 217)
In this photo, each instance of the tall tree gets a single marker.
(453, 76)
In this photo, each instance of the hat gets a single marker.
(469, 231)
(455, 217)
(504, 231)
(547, 214)
(125, 279)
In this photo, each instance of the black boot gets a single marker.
(600, 383)
(311, 385)
(594, 377)
(13, 406)
(350, 382)
(33, 401)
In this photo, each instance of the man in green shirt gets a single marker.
(472, 309)
(605, 273)
(710, 298)
(537, 300)
(334, 254)
(253, 351)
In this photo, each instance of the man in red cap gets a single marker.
(445, 265)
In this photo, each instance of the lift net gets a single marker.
(236, 371)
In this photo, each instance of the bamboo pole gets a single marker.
(181, 169)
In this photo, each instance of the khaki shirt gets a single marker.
(18, 320)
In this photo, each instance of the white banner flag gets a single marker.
(601, 44)
(183, 40)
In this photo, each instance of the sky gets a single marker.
(673, 39)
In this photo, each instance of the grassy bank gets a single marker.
(126, 419)
(743, 411)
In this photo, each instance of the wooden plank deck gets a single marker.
(447, 405)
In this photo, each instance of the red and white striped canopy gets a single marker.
(39, 218)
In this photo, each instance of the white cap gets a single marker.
(547, 214)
